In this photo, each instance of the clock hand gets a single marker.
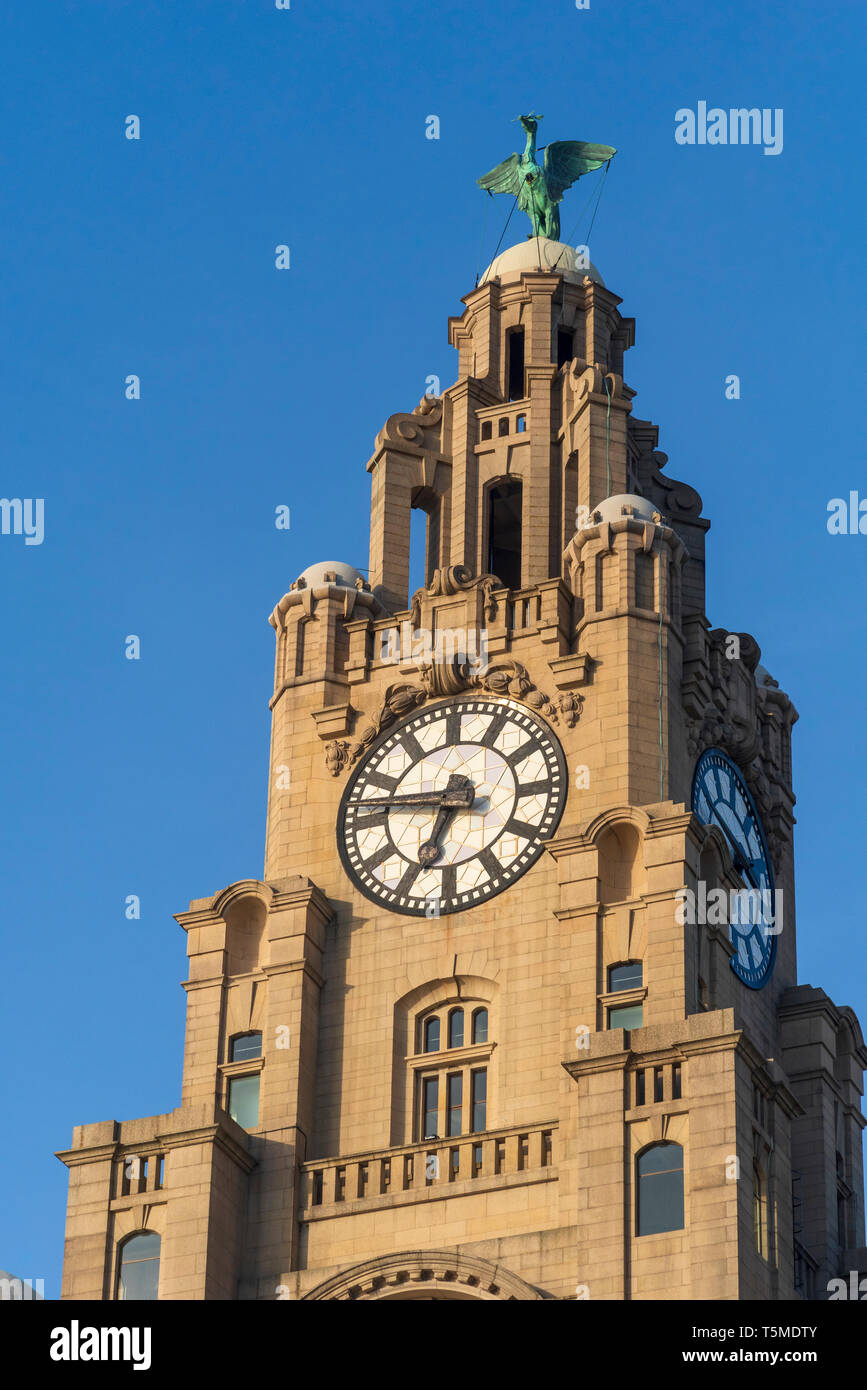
(458, 793)
(430, 851)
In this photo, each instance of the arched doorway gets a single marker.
(430, 1275)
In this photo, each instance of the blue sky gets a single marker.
(259, 388)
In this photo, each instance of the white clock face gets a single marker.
(452, 806)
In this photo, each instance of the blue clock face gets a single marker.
(720, 797)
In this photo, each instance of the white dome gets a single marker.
(539, 253)
(612, 508)
(342, 574)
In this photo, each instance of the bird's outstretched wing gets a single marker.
(567, 160)
(504, 179)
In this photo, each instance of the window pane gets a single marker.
(456, 1028)
(455, 1100)
(429, 1107)
(660, 1189)
(480, 1026)
(480, 1098)
(140, 1268)
(432, 1035)
(250, 1045)
(504, 532)
(628, 976)
(244, 1101)
(626, 1016)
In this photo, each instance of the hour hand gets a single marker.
(430, 850)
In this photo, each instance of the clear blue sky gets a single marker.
(156, 257)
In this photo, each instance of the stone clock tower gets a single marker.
(513, 1012)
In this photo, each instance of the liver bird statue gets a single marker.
(539, 189)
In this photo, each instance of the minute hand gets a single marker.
(453, 796)
(407, 799)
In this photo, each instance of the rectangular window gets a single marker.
(626, 1016)
(639, 1087)
(565, 349)
(676, 1082)
(454, 1104)
(515, 364)
(479, 1081)
(430, 1107)
(657, 1084)
(243, 1104)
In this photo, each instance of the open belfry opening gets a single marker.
(513, 1012)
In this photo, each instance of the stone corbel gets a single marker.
(570, 672)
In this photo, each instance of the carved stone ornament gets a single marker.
(570, 706)
(337, 755)
(455, 579)
(504, 677)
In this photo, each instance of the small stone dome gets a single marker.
(614, 508)
(329, 571)
(539, 253)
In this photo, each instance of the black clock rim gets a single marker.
(451, 700)
(720, 753)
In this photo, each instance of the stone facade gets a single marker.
(335, 1193)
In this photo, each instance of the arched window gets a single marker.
(242, 1090)
(245, 1046)
(432, 1035)
(659, 1172)
(629, 975)
(504, 532)
(450, 1094)
(139, 1270)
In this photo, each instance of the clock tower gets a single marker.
(513, 1012)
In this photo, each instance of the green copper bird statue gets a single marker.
(539, 189)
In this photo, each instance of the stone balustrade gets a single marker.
(434, 1164)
